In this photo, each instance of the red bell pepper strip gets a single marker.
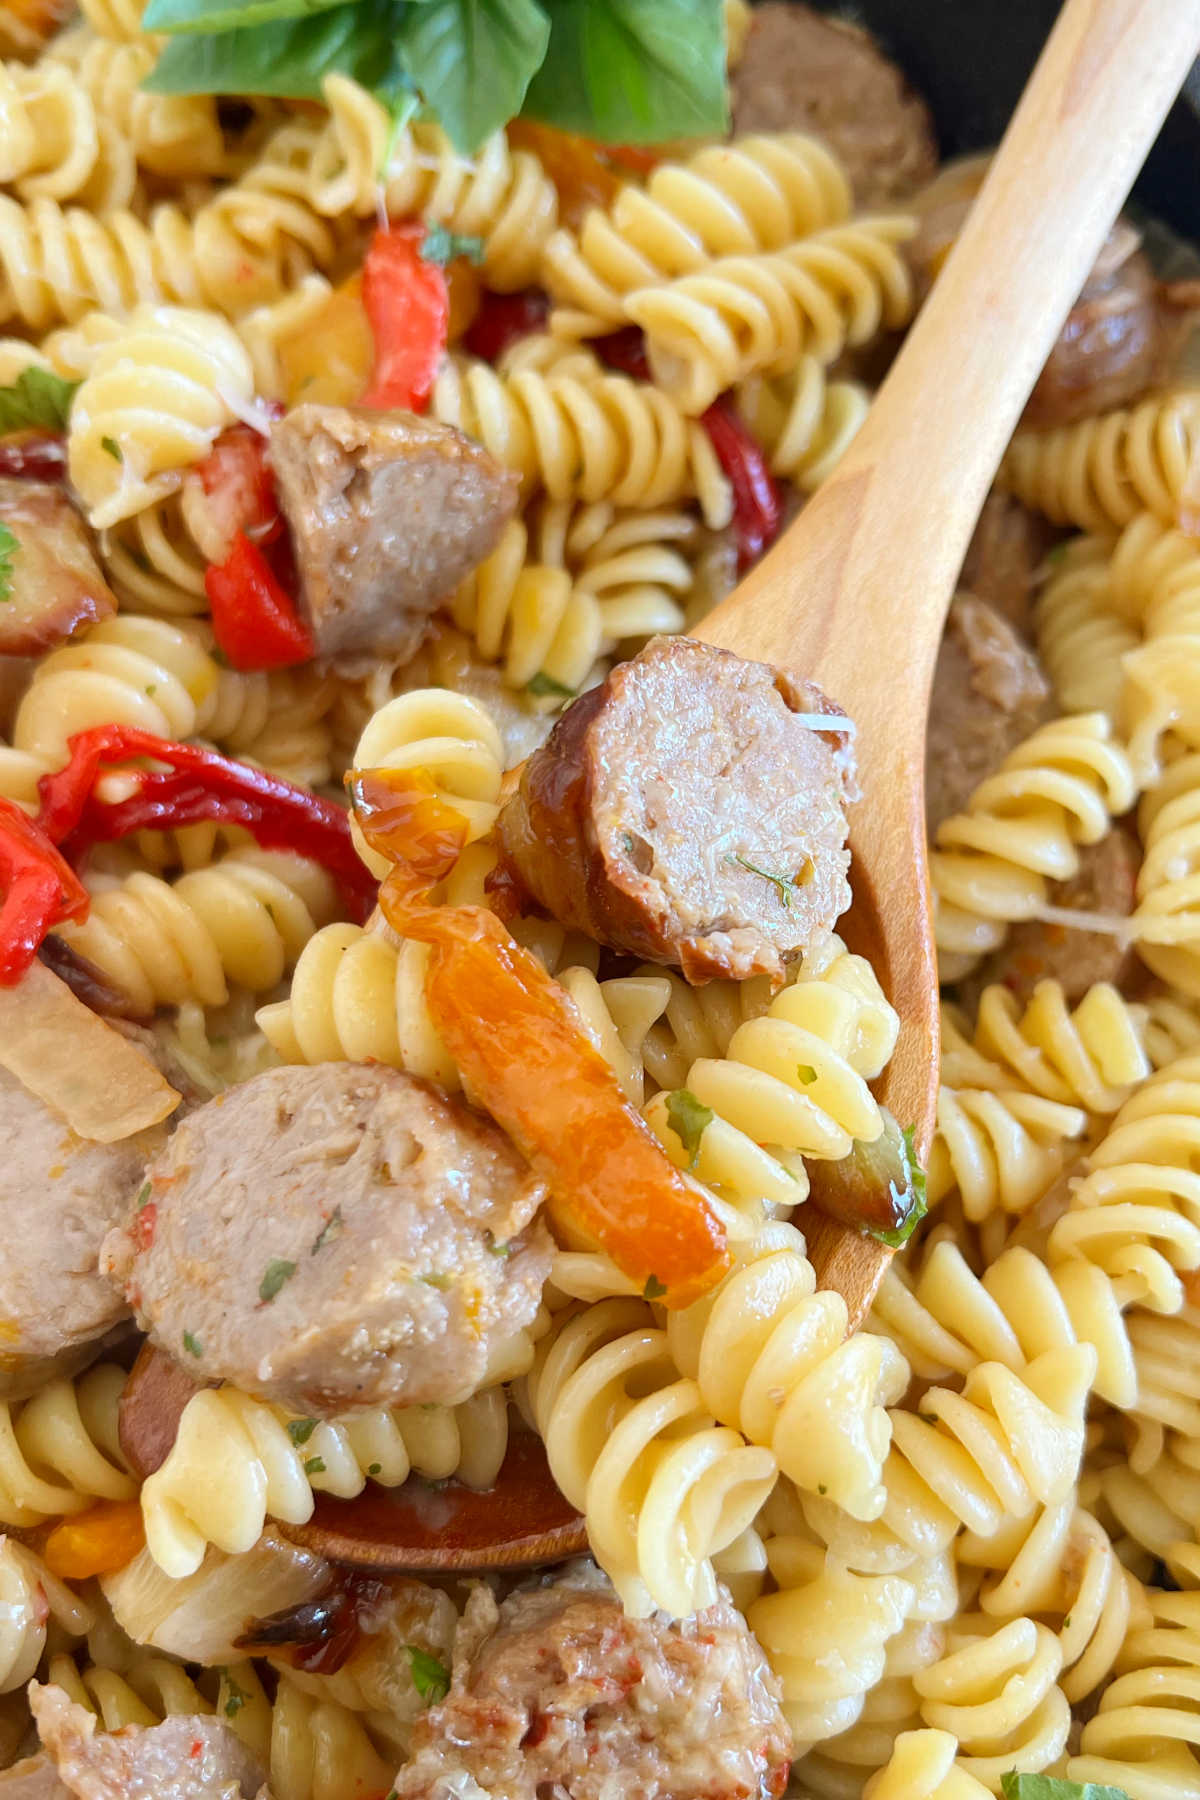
(518, 1044)
(239, 484)
(40, 891)
(504, 319)
(254, 621)
(196, 784)
(408, 309)
(757, 504)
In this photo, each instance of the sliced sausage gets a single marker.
(54, 585)
(556, 1691)
(192, 1756)
(1034, 949)
(989, 693)
(1121, 336)
(689, 810)
(1005, 557)
(59, 1196)
(335, 1237)
(388, 513)
(803, 71)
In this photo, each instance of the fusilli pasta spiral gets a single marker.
(52, 143)
(31, 1598)
(1099, 472)
(59, 1450)
(1090, 1056)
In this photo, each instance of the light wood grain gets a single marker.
(855, 594)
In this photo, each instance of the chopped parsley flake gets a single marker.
(111, 447)
(374, 1468)
(143, 1195)
(9, 545)
(783, 884)
(314, 1466)
(328, 1231)
(430, 1677)
(807, 1073)
(235, 1696)
(192, 1344)
(654, 1289)
(275, 1274)
(300, 1430)
(442, 246)
(543, 684)
(689, 1119)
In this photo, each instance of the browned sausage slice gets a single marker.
(189, 1757)
(388, 513)
(690, 810)
(54, 586)
(336, 1237)
(556, 1690)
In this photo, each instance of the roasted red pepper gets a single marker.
(196, 784)
(239, 487)
(757, 504)
(408, 309)
(504, 319)
(254, 620)
(34, 458)
(516, 1039)
(40, 891)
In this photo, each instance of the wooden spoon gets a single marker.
(855, 596)
(855, 593)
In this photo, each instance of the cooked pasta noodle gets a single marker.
(532, 619)
(758, 193)
(52, 143)
(1022, 827)
(1165, 924)
(601, 438)
(804, 423)
(31, 1599)
(999, 1151)
(243, 919)
(924, 1766)
(996, 1690)
(237, 1461)
(745, 315)
(630, 1444)
(156, 394)
(1145, 1733)
(1090, 1056)
(1100, 472)
(1081, 634)
(175, 135)
(59, 1450)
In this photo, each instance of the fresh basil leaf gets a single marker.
(633, 71)
(473, 61)
(689, 1119)
(36, 398)
(289, 57)
(1050, 1787)
(9, 545)
(226, 15)
(442, 246)
(430, 1677)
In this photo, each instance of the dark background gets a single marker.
(971, 58)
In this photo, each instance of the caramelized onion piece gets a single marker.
(102, 1085)
(878, 1188)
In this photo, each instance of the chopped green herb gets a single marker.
(275, 1274)
(821, 1488)
(192, 1344)
(783, 884)
(807, 1073)
(111, 448)
(300, 1430)
(36, 398)
(374, 1468)
(430, 1677)
(235, 1696)
(1050, 1787)
(314, 1466)
(495, 1248)
(10, 543)
(143, 1195)
(328, 1231)
(151, 689)
(442, 246)
(654, 1288)
(689, 1120)
(543, 684)
(437, 1281)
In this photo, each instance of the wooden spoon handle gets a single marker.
(884, 538)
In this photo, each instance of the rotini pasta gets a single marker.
(1090, 1056)
(174, 135)
(1100, 472)
(996, 1690)
(804, 422)
(603, 438)
(792, 1083)
(1165, 924)
(1146, 1730)
(237, 1461)
(630, 1444)
(157, 392)
(52, 143)
(924, 1766)
(1059, 789)
(746, 315)
(530, 618)
(758, 193)
(59, 1450)
(1081, 635)
(31, 1599)
(1000, 1151)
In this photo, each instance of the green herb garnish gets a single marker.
(329, 1230)
(430, 1677)
(192, 1344)
(9, 545)
(300, 1430)
(689, 1120)
(37, 399)
(783, 884)
(442, 246)
(274, 1275)
(314, 1466)
(111, 448)
(543, 684)
(654, 1288)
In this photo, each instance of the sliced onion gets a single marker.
(201, 1617)
(90, 1074)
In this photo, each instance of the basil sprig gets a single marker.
(623, 71)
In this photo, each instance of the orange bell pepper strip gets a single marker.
(518, 1045)
(96, 1542)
